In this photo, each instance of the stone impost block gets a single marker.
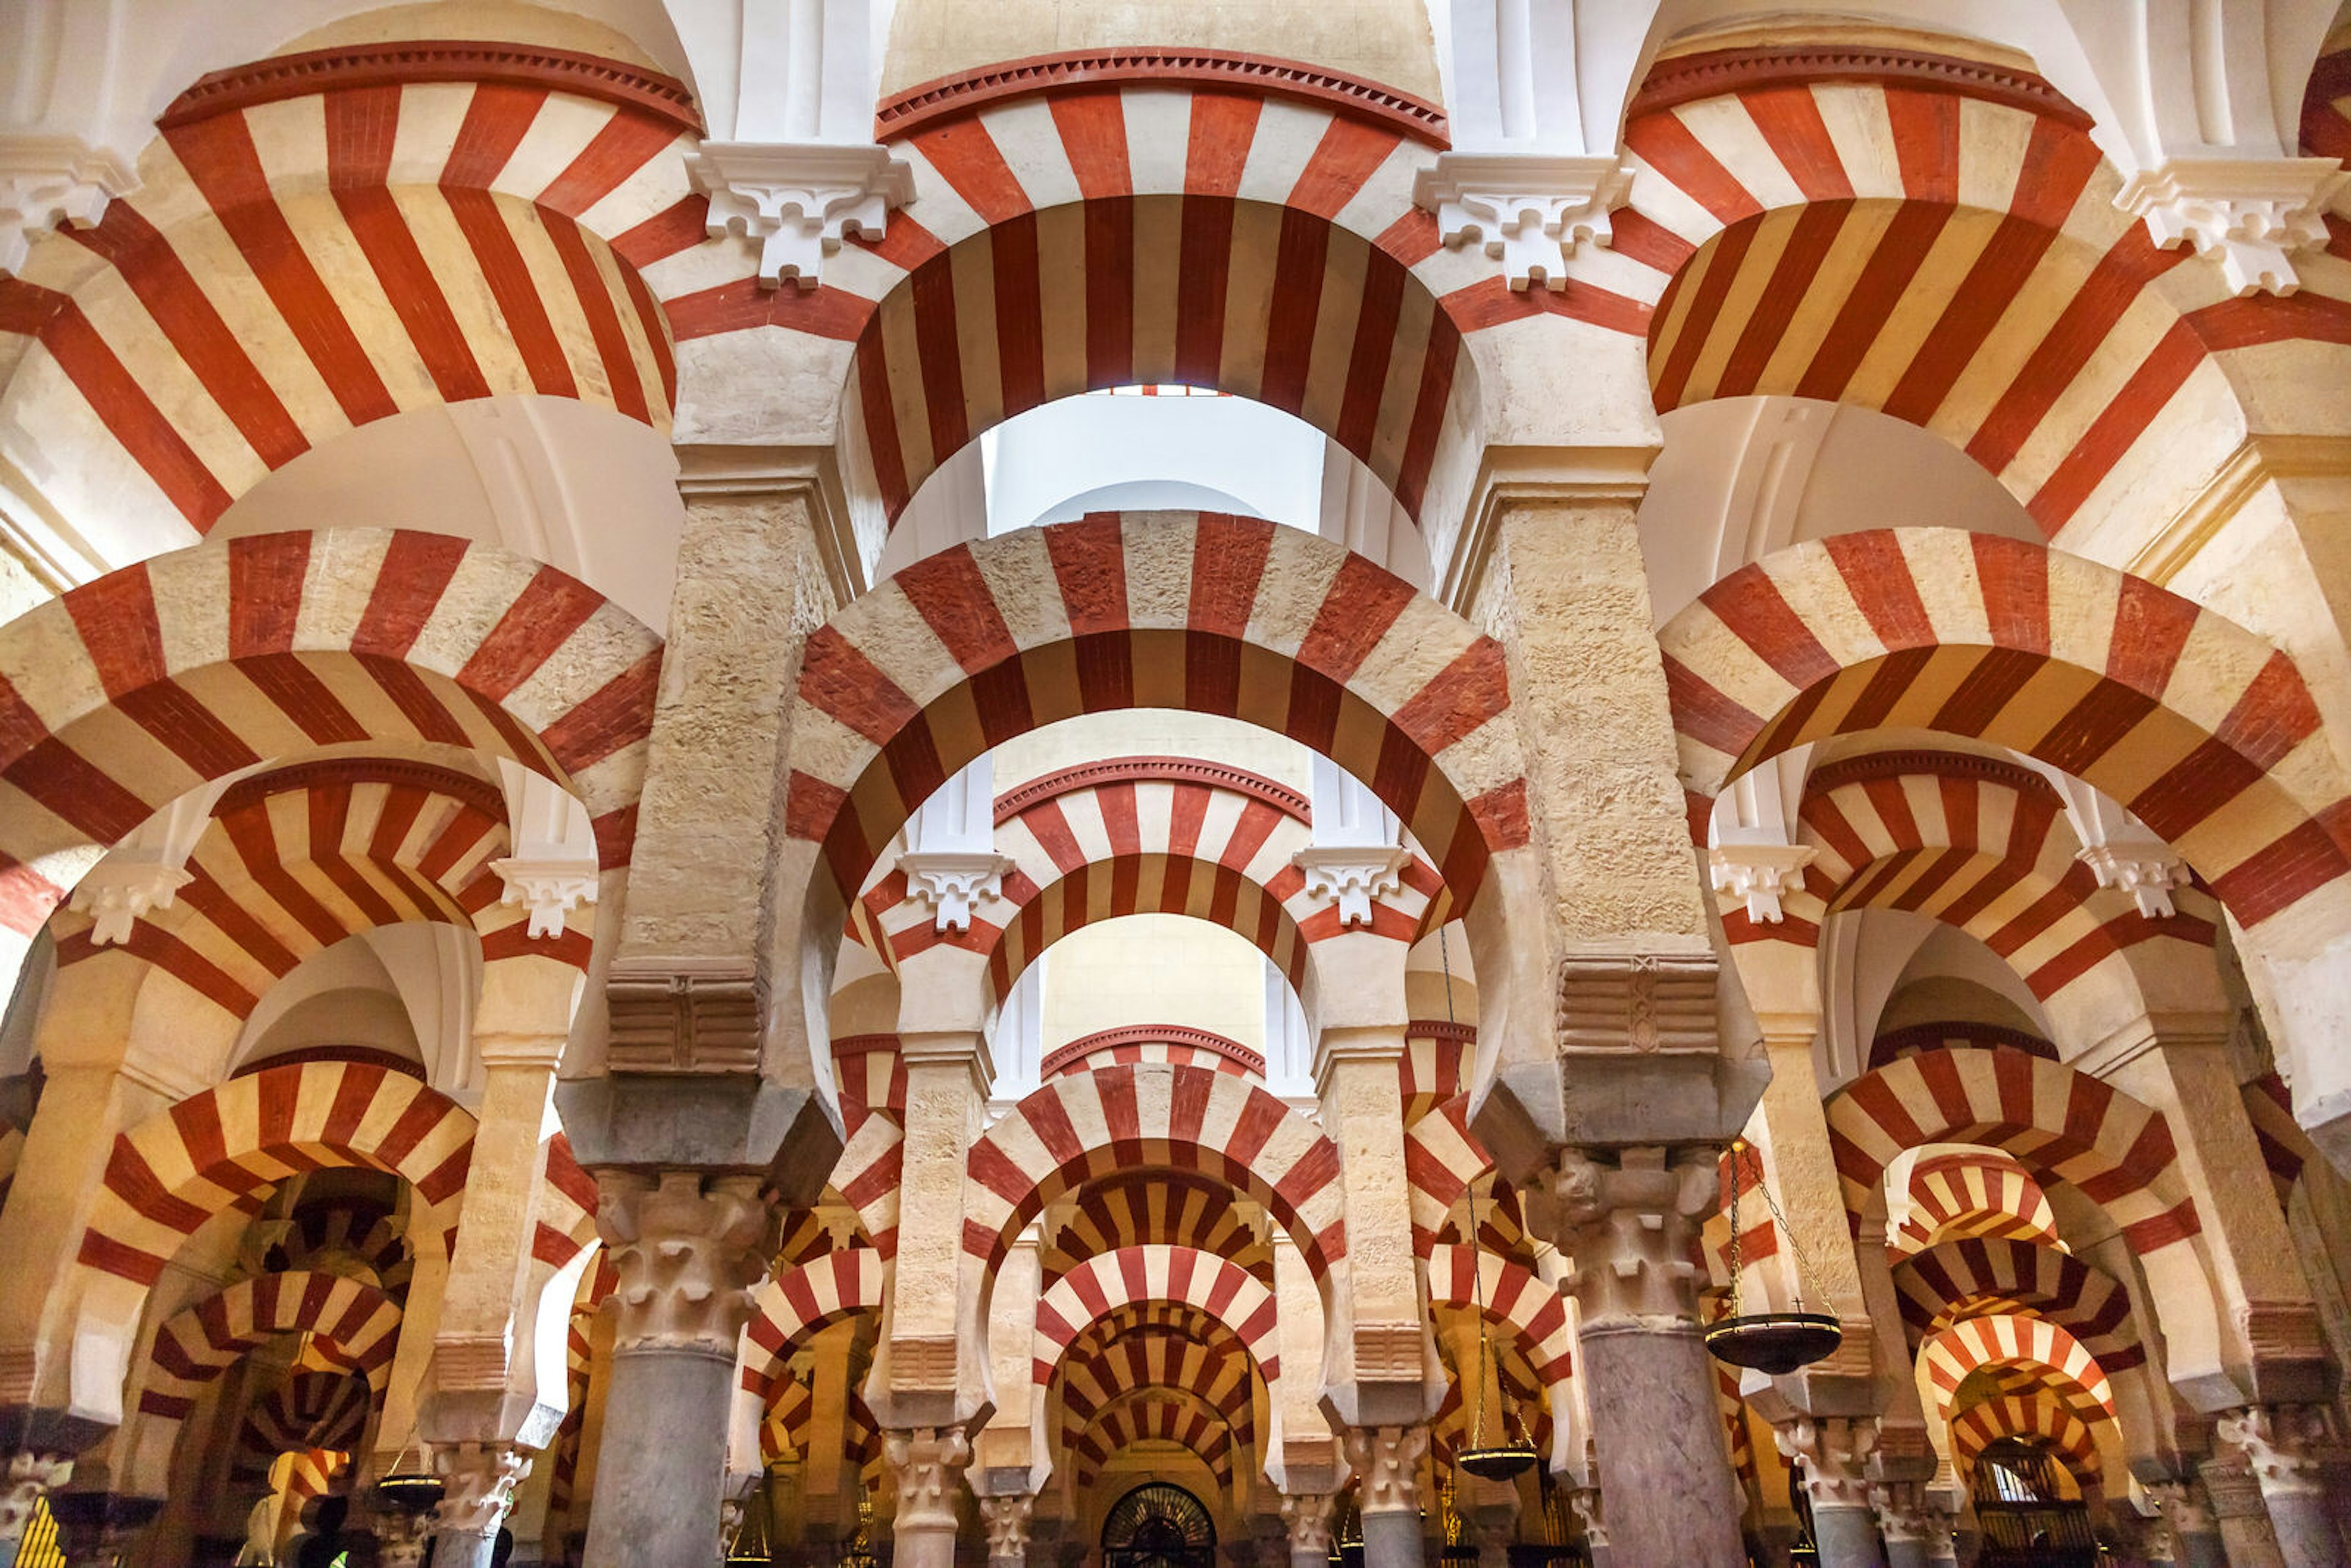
(720, 1123)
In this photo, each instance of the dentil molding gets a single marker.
(800, 199)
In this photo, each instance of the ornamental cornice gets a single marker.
(1870, 766)
(969, 92)
(1716, 73)
(1084, 1046)
(1152, 770)
(350, 65)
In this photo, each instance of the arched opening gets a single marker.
(1158, 1525)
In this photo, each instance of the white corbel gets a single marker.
(1353, 875)
(554, 868)
(2251, 214)
(1528, 210)
(1760, 874)
(45, 181)
(954, 883)
(2148, 871)
(800, 199)
(116, 893)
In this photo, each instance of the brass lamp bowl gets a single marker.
(411, 1493)
(1774, 1342)
(1500, 1461)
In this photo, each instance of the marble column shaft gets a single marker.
(1387, 1461)
(688, 1250)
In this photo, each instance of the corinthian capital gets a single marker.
(1387, 1461)
(2281, 1443)
(1308, 1514)
(1834, 1451)
(926, 1460)
(31, 1476)
(1006, 1517)
(478, 1481)
(689, 1251)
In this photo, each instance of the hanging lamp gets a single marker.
(411, 1491)
(1508, 1458)
(1772, 1343)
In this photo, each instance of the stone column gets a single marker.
(1494, 1518)
(1008, 1528)
(1308, 1514)
(1913, 1527)
(1387, 1462)
(401, 1538)
(2246, 1538)
(2188, 1517)
(1833, 1456)
(2278, 1443)
(1648, 1383)
(688, 1250)
(480, 1479)
(927, 1462)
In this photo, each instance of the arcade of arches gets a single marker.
(1064, 783)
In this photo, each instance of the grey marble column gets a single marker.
(1307, 1515)
(1907, 1520)
(928, 1463)
(1387, 1461)
(688, 1250)
(1626, 1218)
(2279, 1445)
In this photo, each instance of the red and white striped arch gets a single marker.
(2269, 1105)
(1143, 836)
(1977, 843)
(2203, 730)
(1935, 239)
(1090, 1124)
(801, 1301)
(177, 1169)
(787, 1427)
(1999, 1340)
(354, 1325)
(1144, 1206)
(1965, 1196)
(1093, 1374)
(128, 692)
(297, 859)
(1912, 1038)
(1535, 1312)
(1179, 1275)
(1441, 1157)
(324, 240)
(1959, 1279)
(1234, 616)
(1156, 1415)
(2062, 1125)
(866, 1175)
(1143, 218)
(2038, 1415)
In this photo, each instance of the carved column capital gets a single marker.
(1908, 1511)
(31, 1476)
(689, 1251)
(1006, 1517)
(2281, 1445)
(1758, 876)
(1387, 1462)
(1307, 1515)
(952, 883)
(1834, 1453)
(50, 179)
(1527, 210)
(478, 1481)
(1626, 1218)
(549, 889)
(2252, 213)
(926, 1460)
(800, 199)
(1352, 876)
(1585, 1503)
